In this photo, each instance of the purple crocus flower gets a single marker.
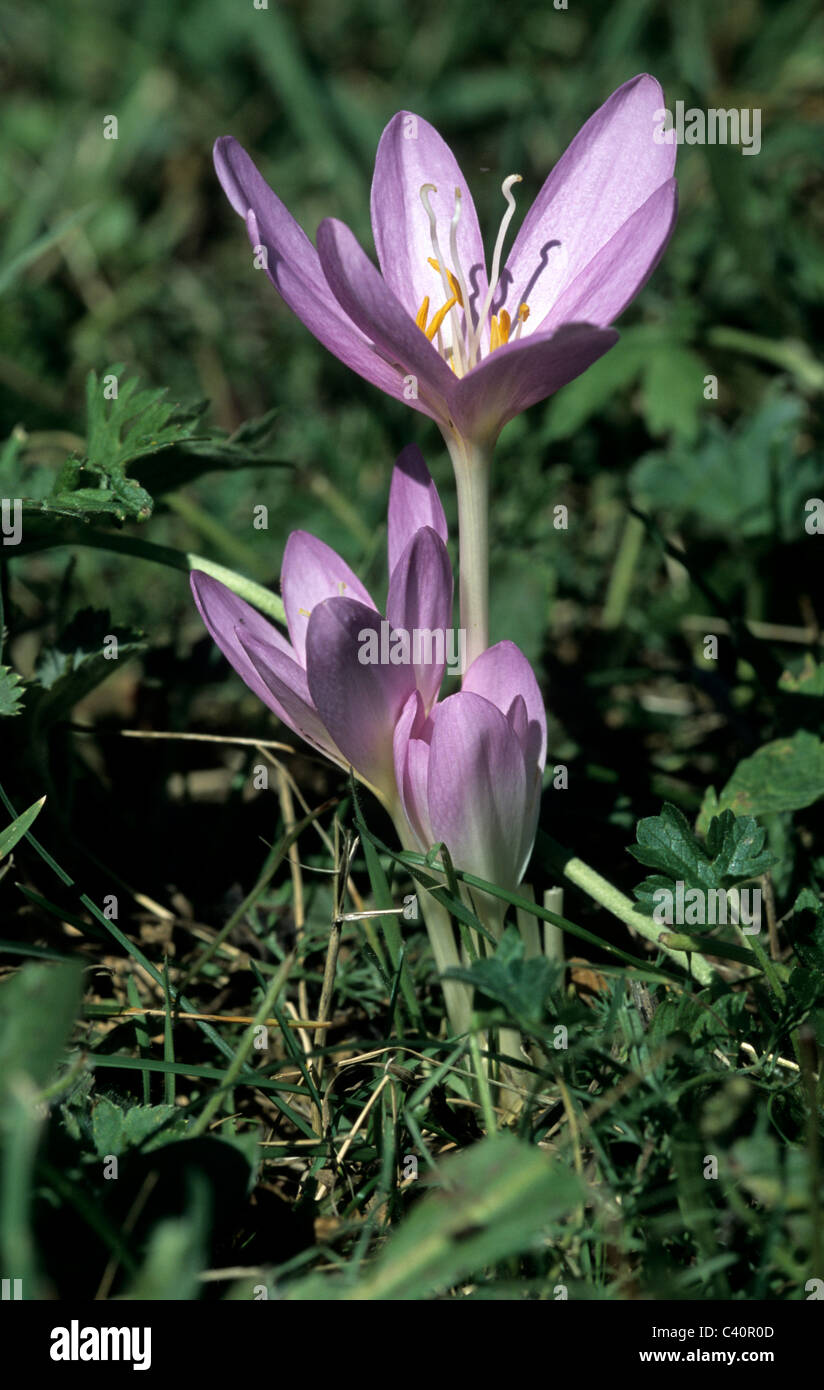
(317, 681)
(431, 327)
(469, 771)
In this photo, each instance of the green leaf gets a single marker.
(733, 852)
(251, 446)
(808, 680)
(115, 1130)
(673, 391)
(520, 986)
(748, 481)
(12, 268)
(129, 426)
(87, 651)
(671, 377)
(40, 1004)
(11, 694)
(176, 1253)
(18, 827)
(784, 775)
(493, 1201)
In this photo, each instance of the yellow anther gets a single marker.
(453, 283)
(341, 586)
(305, 612)
(523, 313)
(440, 316)
(504, 325)
(494, 333)
(423, 314)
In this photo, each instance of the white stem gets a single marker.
(472, 468)
(457, 996)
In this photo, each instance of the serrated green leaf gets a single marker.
(80, 660)
(114, 1130)
(520, 986)
(120, 430)
(11, 693)
(251, 446)
(733, 852)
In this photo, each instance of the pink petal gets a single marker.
(609, 171)
(413, 503)
(311, 572)
(478, 793)
(411, 758)
(366, 298)
(607, 284)
(520, 373)
(293, 266)
(411, 153)
(288, 693)
(503, 676)
(359, 703)
(420, 604)
(223, 614)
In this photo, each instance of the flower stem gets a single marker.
(472, 467)
(457, 996)
(608, 896)
(269, 603)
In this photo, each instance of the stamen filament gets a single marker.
(456, 261)
(506, 189)
(426, 189)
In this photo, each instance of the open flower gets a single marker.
(472, 350)
(317, 682)
(469, 770)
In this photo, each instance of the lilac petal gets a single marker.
(603, 289)
(224, 613)
(413, 503)
(518, 718)
(364, 295)
(411, 153)
(478, 796)
(520, 373)
(530, 822)
(419, 603)
(311, 572)
(503, 676)
(410, 747)
(611, 168)
(293, 265)
(359, 702)
(288, 692)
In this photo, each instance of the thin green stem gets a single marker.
(185, 560)
(238, 1062)
(488, 1109)
(623, 573)
(457, 996)
(607, 895)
